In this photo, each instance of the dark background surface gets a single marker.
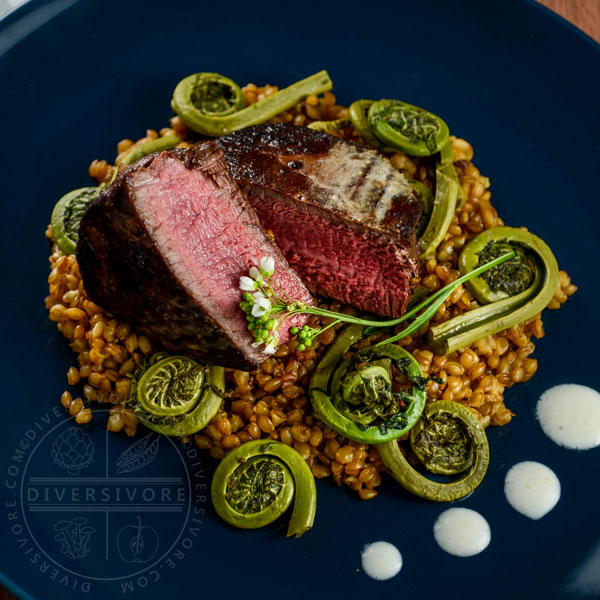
(509, 77)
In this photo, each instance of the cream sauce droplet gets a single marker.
(570, 415)
(462, 532)
(381, 560)
(532, 489)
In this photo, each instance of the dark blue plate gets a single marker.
(80, 518)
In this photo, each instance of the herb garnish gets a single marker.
(267, 308)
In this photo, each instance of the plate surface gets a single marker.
(516, 81)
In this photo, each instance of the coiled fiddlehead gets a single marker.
(67, 214)
(512, 292)
(353, 396)
(216, 96)
(213, 105)
(408, 128)
(175, 395)
(255, 483)
(448, 439)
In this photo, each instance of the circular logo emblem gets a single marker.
(97, 506)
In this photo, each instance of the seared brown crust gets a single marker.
(343, 183)
(124, 273)
(299, 162)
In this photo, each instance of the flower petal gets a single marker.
(269, 348)
(261, 306)
(257, 311)
(255, 274)
(267, 265)
(247, 284)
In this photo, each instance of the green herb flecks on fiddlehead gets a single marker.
(501, 310)
(255, 483)
(441, 441)
(366, 394)
(216, 96)
(175, 395)
(408, 128)
(67, 215)
(512, 277)
(210, 104)
(354, 397)
(448, 439)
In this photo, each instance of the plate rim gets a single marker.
(30, 7)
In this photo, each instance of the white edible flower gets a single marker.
(267, 266)
(255, 274)
(261, 305)
(247, 284)
(271, 343)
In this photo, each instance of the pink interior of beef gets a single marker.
(345, 264)
(209, 241)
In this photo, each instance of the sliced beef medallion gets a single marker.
(342, 215)
(164, 246)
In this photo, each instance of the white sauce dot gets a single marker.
(381, 560)
(532, 489)
(570, 415)
(462, 532)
